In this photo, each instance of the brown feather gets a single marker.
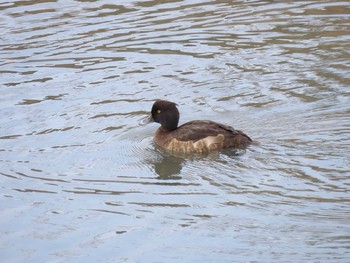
(197, 130)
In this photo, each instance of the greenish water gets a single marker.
(80, 178)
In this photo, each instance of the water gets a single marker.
(81, 180)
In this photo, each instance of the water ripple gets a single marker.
(77, 169)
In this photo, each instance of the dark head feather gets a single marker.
(166, 113)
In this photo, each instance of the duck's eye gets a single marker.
(159, 111)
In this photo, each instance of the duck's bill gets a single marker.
(146, 120)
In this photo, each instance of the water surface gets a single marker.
(81, 179)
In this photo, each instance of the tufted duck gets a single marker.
(194, 136)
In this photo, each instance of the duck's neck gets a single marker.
(170, 123)
(169, 126)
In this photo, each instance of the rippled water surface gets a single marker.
(81, 180)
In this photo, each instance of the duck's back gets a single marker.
(205, 136)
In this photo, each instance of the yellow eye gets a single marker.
(158, 111)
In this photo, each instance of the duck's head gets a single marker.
(165, 113)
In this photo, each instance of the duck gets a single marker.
(197, 136)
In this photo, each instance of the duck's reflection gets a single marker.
(168, 167)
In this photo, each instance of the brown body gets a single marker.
(193, 136)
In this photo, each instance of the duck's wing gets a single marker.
(197, 130)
